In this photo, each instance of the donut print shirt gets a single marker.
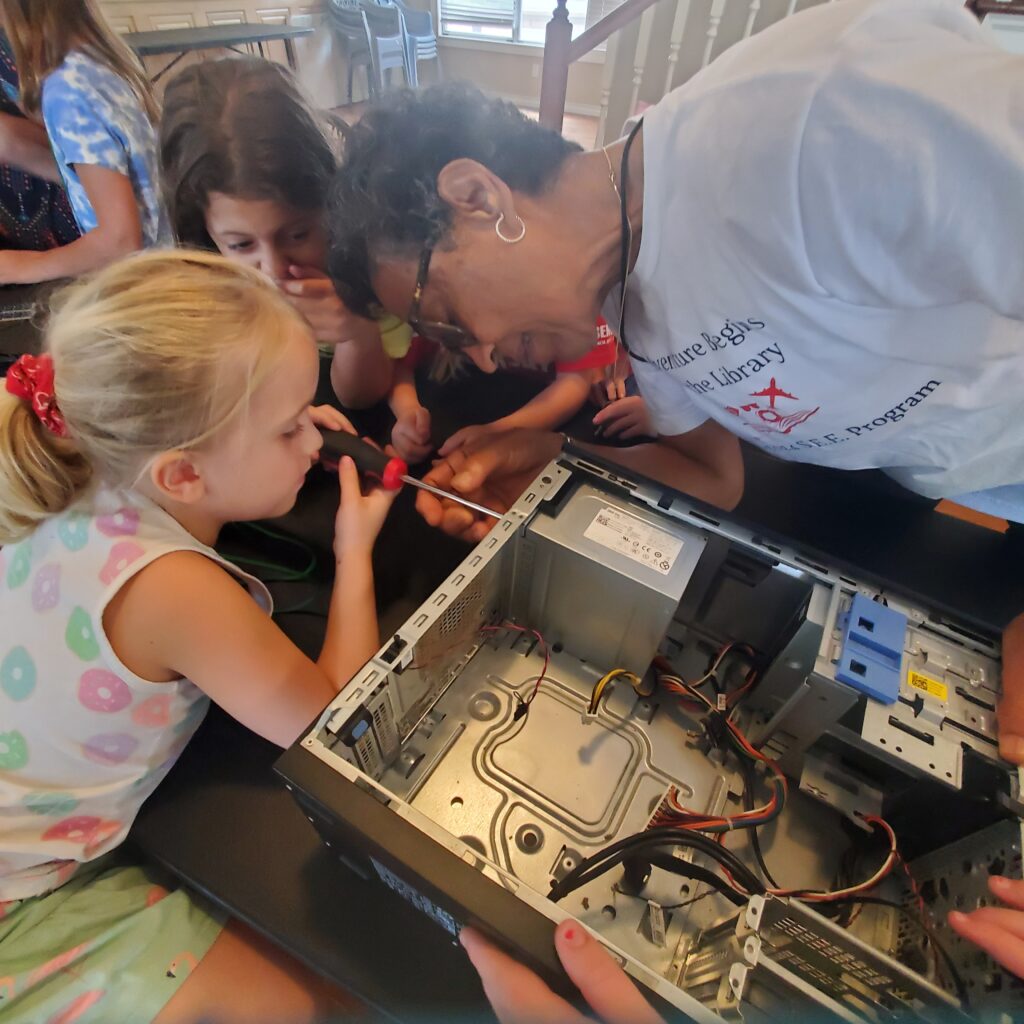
(83, 741)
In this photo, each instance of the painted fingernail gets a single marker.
(999, 882)
(574, 936)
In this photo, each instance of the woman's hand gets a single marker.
(493, 472)
(467, 436)
(326, 417)
(625, 418)
(410, 435)
(360, 515)
(312, 293)
(517, 994)
(998, 930)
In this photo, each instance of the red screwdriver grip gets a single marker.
(389, 469)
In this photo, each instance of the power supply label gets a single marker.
(635, 539)
(928, 686)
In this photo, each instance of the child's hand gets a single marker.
(411, 435)
(517, 995)
(625, 418)
(611, 389)
(360, 516)
(312, 293)
(467, 436)
(329, 418)
(998, 930)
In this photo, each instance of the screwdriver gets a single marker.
(389, 469)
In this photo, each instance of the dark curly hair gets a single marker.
(240, 126)
(384, 200)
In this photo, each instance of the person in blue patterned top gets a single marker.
(100, 116)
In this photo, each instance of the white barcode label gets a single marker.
(634, 538)
(657, 922)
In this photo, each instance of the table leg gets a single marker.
(289, 49)
(163, 71)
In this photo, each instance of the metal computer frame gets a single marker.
(426, 734)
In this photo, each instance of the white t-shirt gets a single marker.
(832, 260)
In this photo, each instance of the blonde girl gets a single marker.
(173, 397)
(91, 94)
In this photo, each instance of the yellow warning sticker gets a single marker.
(929, 686)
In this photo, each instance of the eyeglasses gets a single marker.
(448, 336)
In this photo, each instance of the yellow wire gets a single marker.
(602, 683)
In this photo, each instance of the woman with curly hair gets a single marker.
(808, 246)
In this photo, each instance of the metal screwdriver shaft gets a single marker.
(450, 497)
(389, 469)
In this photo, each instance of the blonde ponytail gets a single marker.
(40, 474)
(157, 352)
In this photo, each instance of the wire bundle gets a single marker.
(721, 727)
(674, 683)
(672, 813)
(723, 731)
(602, 685)
(892, 858)
(652, 846)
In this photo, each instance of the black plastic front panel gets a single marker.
(359, 827)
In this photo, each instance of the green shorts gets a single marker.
(113, 943)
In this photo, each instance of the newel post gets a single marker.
(555, 74)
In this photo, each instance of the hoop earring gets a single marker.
(505, 238)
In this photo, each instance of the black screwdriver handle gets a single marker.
(389, 469)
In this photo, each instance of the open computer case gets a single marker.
(761, 781)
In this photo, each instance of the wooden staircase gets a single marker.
(652, 46)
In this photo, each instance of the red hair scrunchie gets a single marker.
(31, 379)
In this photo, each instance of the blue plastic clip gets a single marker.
(872, 653)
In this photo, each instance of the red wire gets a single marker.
(736, 694)
(922, 909)
(540, 640)
(693, 821)
(890, 862)
(664, 667)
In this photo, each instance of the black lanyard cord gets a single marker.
(626, 238)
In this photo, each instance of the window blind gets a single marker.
(598, 9)
(483, 13)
